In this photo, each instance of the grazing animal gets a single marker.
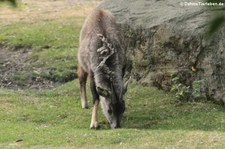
(102, 58)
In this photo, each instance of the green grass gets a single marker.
(38, 35)
(54, 119)
(7, 3)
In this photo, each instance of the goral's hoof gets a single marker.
(84, 106)
(94, 125)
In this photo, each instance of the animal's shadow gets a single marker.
(205, 116)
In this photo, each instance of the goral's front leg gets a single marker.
(94, 118)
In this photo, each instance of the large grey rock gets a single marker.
(165, 38)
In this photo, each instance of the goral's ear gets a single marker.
(125, 86)
(103, 92)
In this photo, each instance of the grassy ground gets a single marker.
(53, 118)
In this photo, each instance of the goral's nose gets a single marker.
(118, 126)
(114, 126)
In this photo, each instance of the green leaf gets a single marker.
(197, 85)
(175, 79)
(12, 2)
(215, 1)
(216, 24)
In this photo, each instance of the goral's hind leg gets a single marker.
(94, 118)
(82, 75)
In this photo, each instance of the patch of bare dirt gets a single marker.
(16, 71)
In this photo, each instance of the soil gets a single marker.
(16, 70)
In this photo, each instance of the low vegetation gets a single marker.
(53, 118)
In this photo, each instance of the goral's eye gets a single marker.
(110, 111)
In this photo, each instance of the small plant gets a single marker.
(182, 92)
(186, 93)
(196, 89)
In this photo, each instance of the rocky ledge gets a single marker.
(167, 38)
